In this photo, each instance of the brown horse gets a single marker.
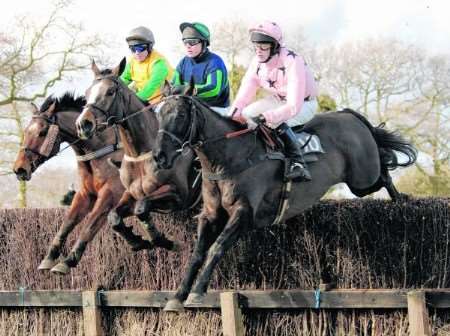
(100, 188)
(243, 184)
(110, 102)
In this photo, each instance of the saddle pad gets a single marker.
(310, 143)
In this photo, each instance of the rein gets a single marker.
(52, 139)
(193, 126)
(111, 120)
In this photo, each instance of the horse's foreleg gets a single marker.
(81, 205)
(95, 221)
(115, 218)
(206, 236)
(237, 223)
(142, 211)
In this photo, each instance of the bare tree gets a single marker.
(371, 75)
(33, 57)
(425, 116)
(296, 40)
(397, 83)
(230, 38)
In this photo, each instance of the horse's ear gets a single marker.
(190, 89)
(167, 89)
(34, 108)
(117, 71)
(95, 68)
(51, 110)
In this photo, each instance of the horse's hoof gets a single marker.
(60, 269)
(47, 264)
(141, 207)
(194, 299)
(174, 305)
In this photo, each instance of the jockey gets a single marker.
(293, 91)
(147, 68)
(206, 69)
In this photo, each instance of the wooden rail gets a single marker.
(231, 303)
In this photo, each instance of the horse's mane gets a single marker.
(227, 119)
(65, 102)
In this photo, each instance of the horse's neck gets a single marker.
(138, 133)
(225, 152)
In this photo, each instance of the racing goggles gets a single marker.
(138, 48)
(191, 41)
(261, 46)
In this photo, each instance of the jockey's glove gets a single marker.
(258, 119)
(254, 122)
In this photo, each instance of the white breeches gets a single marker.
(307, 112)
(223, 111)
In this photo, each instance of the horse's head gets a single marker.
(105, 100)
(181, 89)
(41, 142)
(177, 127)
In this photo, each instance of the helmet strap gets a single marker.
(274, 50)
(204, 49)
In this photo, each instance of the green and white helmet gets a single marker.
(195, 30)
(140, 35)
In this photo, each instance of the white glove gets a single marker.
(251, 124)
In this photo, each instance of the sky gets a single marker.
(422, 22)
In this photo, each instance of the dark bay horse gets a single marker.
(111, 102)
(238, 196)
(100, 188)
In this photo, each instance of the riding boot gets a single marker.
(298, 169)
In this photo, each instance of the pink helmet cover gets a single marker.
(268, 28)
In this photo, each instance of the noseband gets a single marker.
(52, 140)
(111, 120)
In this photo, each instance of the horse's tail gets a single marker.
(388, 143)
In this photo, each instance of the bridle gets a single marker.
(126, 101)
(111, 120)
(51, 142)
(191, 130)
(197, 120)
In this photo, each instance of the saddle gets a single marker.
(310, 147)
(310, 144)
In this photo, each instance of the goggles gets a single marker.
(138, 48)
(261, 46)
(191, 41)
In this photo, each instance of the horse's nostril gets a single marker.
(21, 173)
(86, 126)
(160, 159)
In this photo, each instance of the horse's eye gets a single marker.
(110, 92)
(28, 152)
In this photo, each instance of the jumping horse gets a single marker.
(244, 186)
(111, 103)
(100, 187)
